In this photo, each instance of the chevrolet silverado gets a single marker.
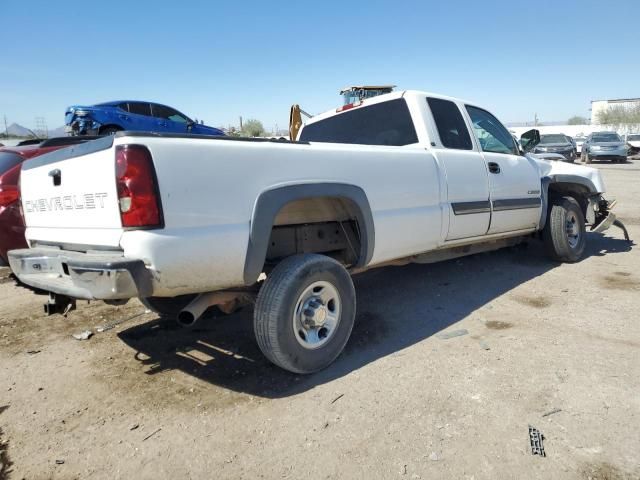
(185, 222)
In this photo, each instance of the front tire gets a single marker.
(305, 312)
(587, 158)
(564, 234)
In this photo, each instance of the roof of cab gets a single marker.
(382, 98)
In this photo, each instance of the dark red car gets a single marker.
(11, 158)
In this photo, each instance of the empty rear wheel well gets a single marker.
(327, 225)
(304, 218)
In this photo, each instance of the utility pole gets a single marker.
(240, 122)
(41, 127)
(6, 129)
(535, 119)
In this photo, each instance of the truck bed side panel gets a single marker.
(209, 189)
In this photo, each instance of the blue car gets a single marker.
(111, 117)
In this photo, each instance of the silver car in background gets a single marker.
(604, 146)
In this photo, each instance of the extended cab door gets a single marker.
(467, 179)
(514, 180)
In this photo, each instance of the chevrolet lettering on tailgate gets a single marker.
(88, 201)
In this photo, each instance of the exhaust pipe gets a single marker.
(194, 310)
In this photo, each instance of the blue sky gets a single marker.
(218, 60)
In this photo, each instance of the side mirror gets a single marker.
(530, 139)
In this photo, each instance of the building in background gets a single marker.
(599, 106)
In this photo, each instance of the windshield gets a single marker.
(606, 137)
(555, 138)
(633, 138)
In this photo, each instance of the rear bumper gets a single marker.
(89, 276)
(606, 156)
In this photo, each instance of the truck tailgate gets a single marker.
(70, 197)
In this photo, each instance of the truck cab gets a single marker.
(491, 186)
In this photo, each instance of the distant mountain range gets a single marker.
(16, 130)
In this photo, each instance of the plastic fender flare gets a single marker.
(270, 202)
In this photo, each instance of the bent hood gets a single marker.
(561, 171)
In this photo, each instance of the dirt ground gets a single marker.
(553, 346)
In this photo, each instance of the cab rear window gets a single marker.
(386, 123)
(8, 160)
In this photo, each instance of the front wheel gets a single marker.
(305, 312)
(564, 234)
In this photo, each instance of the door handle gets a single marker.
(494, 167)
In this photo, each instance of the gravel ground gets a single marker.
(553, 346)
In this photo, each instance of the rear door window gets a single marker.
(8, 160)
(124, 106)
(386, 123)
(452, 130)
(140, 108)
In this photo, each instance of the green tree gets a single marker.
(619, 115)
(577, 120)
(253, 128)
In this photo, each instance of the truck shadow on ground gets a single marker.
(397, 307)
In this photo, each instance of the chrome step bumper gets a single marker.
(89, 276)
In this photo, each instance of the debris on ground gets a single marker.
(134, 427)
(151, 434)
(33, 352)
(59, 462)
(434, 457)
(452, 334)
(86, 335)
(535, 439)
(337, 398)
(484, 345)
(551, 412)
(109, 326)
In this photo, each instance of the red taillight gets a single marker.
(137, 188)
(8, 195)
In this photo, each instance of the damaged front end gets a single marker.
(79, 121)
(600, 216)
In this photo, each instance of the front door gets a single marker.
(514, 180)
(169, 120)
(467, 181)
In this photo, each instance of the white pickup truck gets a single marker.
(186, 222)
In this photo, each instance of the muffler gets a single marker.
(190, 314)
